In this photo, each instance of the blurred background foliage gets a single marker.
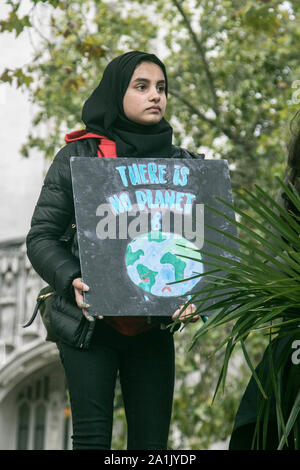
(233, 68)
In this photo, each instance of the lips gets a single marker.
(153, 108)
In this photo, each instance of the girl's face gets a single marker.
(145, 98)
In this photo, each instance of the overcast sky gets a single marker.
(21, 178)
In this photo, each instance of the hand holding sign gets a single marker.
(184, 314)
(79, 289)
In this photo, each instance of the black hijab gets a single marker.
(103, 112)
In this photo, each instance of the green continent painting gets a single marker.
(156, 259)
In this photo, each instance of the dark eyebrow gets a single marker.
(147, 81)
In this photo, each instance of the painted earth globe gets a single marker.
(156, 259)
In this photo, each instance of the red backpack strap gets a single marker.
(79, 135)
(107, 148)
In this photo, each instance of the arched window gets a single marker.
(43, 418)
(32, 406)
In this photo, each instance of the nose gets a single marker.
(154, 95)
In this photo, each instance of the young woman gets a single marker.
(124, 117)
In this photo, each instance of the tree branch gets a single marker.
(191, 107)
(234, 137)
(201, 52)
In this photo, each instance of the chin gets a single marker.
(151, 122)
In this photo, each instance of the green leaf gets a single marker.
(253, 370)
(292, 419)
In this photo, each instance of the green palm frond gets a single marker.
(257, 290)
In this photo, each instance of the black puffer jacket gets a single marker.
(53, 254)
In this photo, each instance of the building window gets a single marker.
(39, 426)
(23, 426)
(32, 407)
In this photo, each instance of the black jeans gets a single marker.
(145, 363)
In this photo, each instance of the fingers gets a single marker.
(78, 282)
(90, 317)
(80, 287)
(186, 314)
(87, 316)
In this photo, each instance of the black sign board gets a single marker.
(140, 226)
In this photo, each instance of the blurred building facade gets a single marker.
(34, 408)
